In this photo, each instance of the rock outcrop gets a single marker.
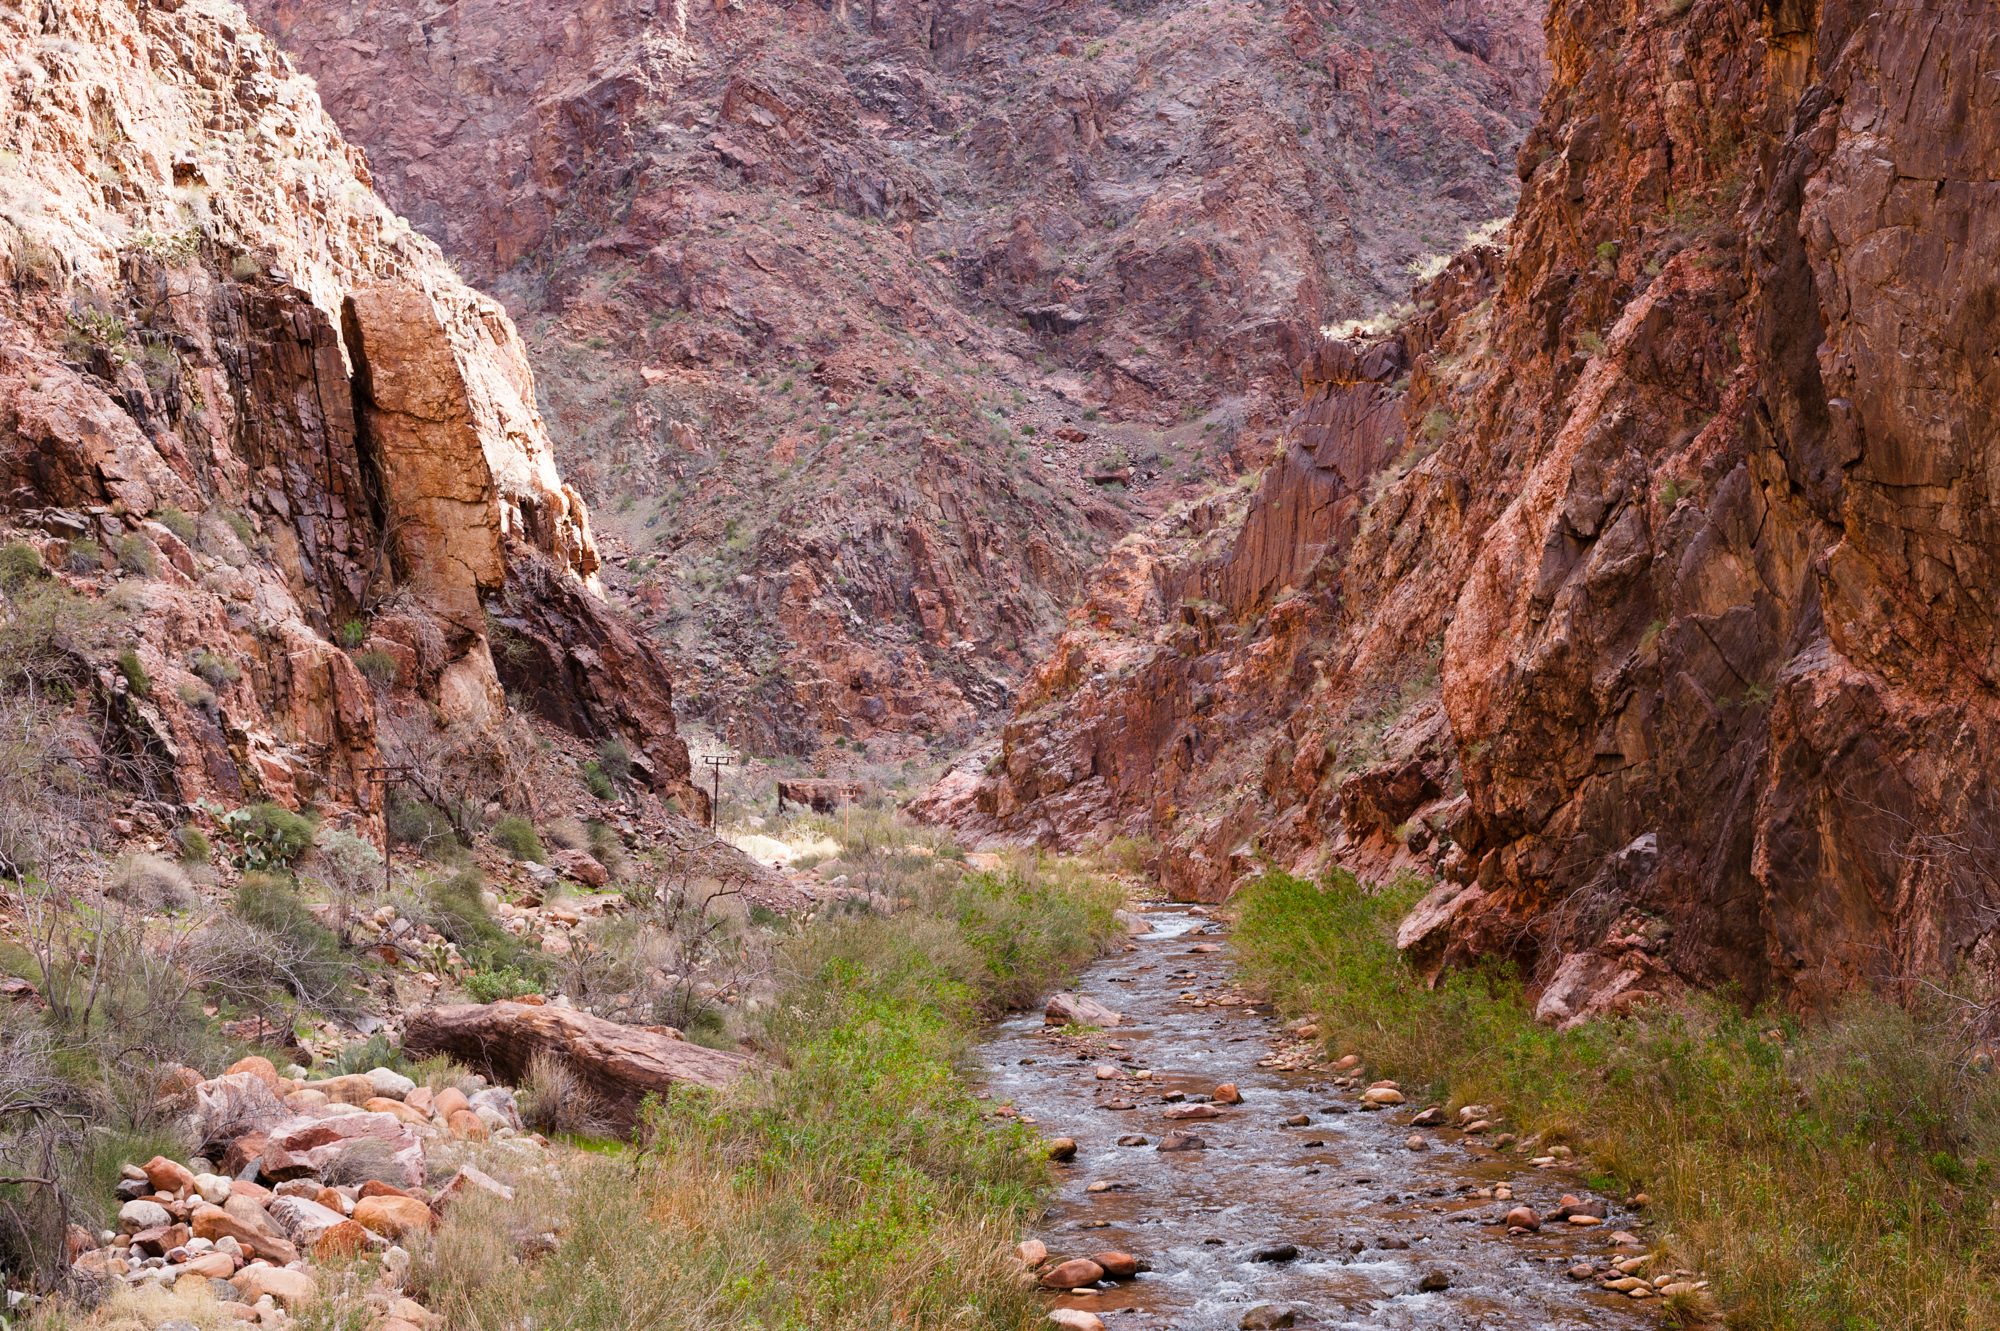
(229, 370)
(619, 1065)
(1635, 585)
(869, 328)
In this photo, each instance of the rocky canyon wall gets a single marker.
(1639, 584)
(250, 411)
(869, 327)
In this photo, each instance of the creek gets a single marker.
(1298, 1165)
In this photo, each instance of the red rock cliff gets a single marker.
(1668, 638)
(227, 367)
(869, 327)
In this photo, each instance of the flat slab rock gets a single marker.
(1067, 1009)
(622, 1064)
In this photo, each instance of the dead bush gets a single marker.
(151, 885)
(556, 1101)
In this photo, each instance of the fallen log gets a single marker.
(619, 1064)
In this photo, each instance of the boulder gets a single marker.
(286, 1288)
(393, 1217)
(323, 1229)
(361, 1144)
(138, 1215)
(621, 1065)
(1117, 1265)
(819, 794)
(580, 866)
(389, 1083)
(469, 1182)
(1067, 1009)
(1076, 1273)
(167, 1176)
(246, 1223)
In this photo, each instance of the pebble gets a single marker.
(1523, 1217)
(1434, 1281)
(1062, 1148)
(1032, 1252)
(1415, 1141)
(1076, 1319)
(1276, 1252)
(1182, 1141)
(1227, 1094)
(1269, 1317)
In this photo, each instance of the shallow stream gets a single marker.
(1370, 1218)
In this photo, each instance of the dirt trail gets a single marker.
(1372, 1221)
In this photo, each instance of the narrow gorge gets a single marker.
(999, 663)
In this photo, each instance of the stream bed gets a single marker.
(1376, 1226)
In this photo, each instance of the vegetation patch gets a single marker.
(858, 1184)
(1839, 1173)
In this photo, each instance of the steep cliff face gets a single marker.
(869, 327)
(244, 402)
(1668, 640)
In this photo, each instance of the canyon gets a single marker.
(867, 330)
(1490, 508)
(1632, 584)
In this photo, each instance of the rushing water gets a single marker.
(1370, 1218)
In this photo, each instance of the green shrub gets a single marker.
(598, 783)
(422, 827)
(615, 761)
(178, 522)
(135, 674)
(378, 667)
(516, 835)
(135, 555)
(498, 985)
(377, 1051)
(20, 564)
(353, 633)
(291, 950)
(85, 556)
(193, 845)
(458, 911)
(215, 671)
(268, 836)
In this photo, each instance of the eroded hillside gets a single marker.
(1635, 583)
(868, 328)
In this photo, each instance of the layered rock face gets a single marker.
(229, 369)
(870, 327)
(1655, 613)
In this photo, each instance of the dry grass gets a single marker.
(555, 1101)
